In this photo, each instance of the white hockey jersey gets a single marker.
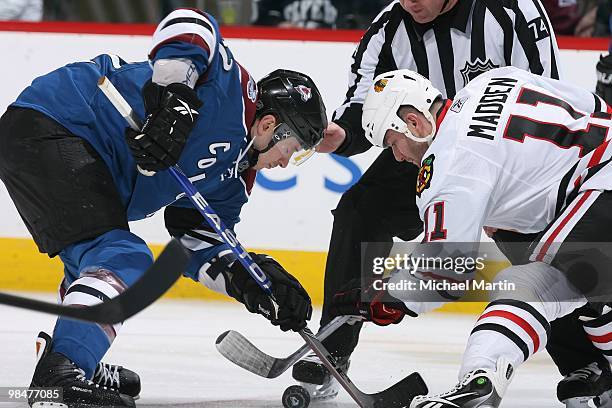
(510, 150)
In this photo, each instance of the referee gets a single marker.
(450, 42)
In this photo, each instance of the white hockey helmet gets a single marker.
(388, 93)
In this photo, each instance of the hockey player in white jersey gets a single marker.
(512, 151)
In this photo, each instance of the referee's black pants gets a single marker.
(382, 205)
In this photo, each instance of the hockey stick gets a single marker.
(401, 393)
(239, 350)
(160, 276)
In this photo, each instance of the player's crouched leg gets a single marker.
(96, 270)
(512, 328)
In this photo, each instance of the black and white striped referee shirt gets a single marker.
(472, 38)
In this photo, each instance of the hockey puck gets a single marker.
(296, 397)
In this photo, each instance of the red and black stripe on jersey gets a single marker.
(581, 172)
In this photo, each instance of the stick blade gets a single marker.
(402, 393)
(240, 351)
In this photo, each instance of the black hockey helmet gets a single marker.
(296, 103)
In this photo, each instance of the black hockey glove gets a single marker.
(604, 78)
(374, 305)
(294, 305)
(171, 114)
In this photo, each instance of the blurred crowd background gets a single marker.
(583, 18)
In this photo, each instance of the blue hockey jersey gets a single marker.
(214, 157)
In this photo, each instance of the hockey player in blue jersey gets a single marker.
(77, 176)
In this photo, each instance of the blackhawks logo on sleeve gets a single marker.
(425, 174)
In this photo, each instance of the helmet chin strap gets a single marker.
(254, 157)
(427, 139)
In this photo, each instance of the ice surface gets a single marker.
(171, 346)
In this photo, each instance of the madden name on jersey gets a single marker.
(489, 109)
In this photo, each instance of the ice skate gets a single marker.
(118, 377)
(55, 370)
(587, 387)
(480, 388)
(106, 375)
(316, 379)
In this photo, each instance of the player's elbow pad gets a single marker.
(180, 70)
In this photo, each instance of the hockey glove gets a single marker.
(294, 305)
(375, 306)
(171, 114)
(604, 78)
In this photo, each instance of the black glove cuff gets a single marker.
(154, 94)
(185, 93)
(237, 277)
